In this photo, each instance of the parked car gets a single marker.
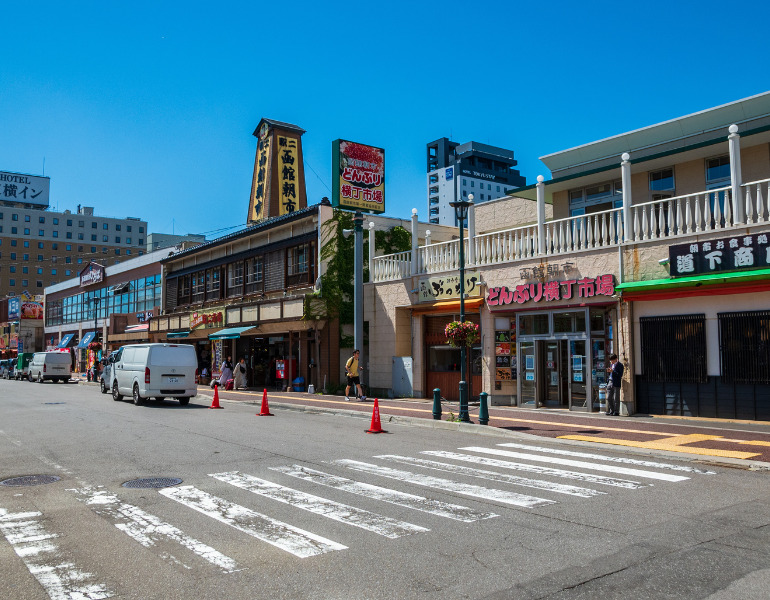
(53, 366)
(104, 378)
(6, 368)
(155, 370)
(22, 365)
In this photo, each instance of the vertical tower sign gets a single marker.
(358, 174)
(278, 183)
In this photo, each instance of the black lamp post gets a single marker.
(461, 212)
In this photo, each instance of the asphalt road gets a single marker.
(304, 505)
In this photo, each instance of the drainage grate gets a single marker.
(153, 482)
(30, 480)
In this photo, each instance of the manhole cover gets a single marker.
(153, 482)
(30, 480)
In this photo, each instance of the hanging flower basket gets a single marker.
(462, 333)
(95, 346)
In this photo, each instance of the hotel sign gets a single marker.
(92, 274)
(736, 253)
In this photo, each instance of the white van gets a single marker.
(155, 370)
(56, 366)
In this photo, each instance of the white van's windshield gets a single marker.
(183, 356)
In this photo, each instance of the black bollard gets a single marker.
(436, 404)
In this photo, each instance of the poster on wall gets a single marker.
(358, 173)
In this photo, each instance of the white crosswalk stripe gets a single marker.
(617, 459)
(580, 464)
(61, 579)
(447, 485)
(297, 541)
(358, 517)
(148, 529)
(558, 488)
(505, 464)
(421, 503)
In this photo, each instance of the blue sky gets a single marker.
(147, 109)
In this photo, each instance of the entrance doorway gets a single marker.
(553, 374)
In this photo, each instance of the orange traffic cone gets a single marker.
(215, 403)
(265, 410)
(376, 427)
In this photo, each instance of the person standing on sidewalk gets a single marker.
(613, 386)
(354, 380)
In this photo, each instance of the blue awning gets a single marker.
(87, 339)
(177, 334)
(65, 340)
(229, 334)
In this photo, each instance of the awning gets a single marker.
(202, 333)
(659, 289)
(177, 334)
(230, 333)
(87, 339)
(451, 306)
(65, 340)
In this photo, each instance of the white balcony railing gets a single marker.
(691, 214)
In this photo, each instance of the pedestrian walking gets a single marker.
(613, 386)
(352, 369)
(227, 371)
(240, 375)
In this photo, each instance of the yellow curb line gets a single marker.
(665, 445)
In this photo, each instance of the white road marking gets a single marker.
(421, 503)
(447, 485)
(281, 535)
(579, 464)
(33, 544)
(350, 515)
(627, 461)
(147, 529)
(505, 464)
(559, 488)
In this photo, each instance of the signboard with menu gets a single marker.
(358, 176)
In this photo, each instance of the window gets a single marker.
(25, 270)
(12, 282)
(105, 238)
(93, 237)
(141, 242)
(595, 198)
(68, 260)
(39, 283)
(717, 172)
(26, 231)
(141, 230)
(81, 223)
(297, 260)
(26, 257)
(128, 240)
(13, 242)
(39, 258)
(26, 243)
(40, 245)
(235, 279)
(26, 219)
(465, 181)
(489, 186)
(212, 284)
(12, 267)
(93, 224)
(105, 226)
(117, 251)
(39, 271)
(25, 282)
(482, 196)
(67, 272)
(41, 220)
(41, 232)
(673, 348)
(69, 235)
(56, 221)
(80, 248)
(69, 247)
(198, 286)
(465, 193)
(69, 222)
(128, 228)
(473, 183)
(14, 230)
(117, 227)
(54, 246)
(117, 240)
(14, 217)
(93, 249)
(53, 271)
(534, 324)
(55, 234)
(80, 236)
(744, 347)
(662, 180)
(254, 275)
(498, 188)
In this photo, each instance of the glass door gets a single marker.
(578, 381)
(554, 373)
(527, 374)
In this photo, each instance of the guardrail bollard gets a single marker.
(483, 410)
(436, 404)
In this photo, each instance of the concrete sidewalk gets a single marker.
(728, 441)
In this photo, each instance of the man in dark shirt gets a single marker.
(613, 385)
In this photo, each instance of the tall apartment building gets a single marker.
(456, 170)
(40, 247)
(158, 241)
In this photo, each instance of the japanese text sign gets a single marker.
(260, 185)
(715, 256)
(287, 173)
(550, 291)
(198, 319)
(359, 176)
(431, 289)
(15, 187)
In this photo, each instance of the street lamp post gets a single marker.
(461, 212)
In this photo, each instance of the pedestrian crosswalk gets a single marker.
(388, 495)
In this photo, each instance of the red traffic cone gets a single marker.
(376, 427)
(215, 403)
(265, 410)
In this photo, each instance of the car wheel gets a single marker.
(116, 395)
(137, 398)
(103, 386)
(184, 401)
